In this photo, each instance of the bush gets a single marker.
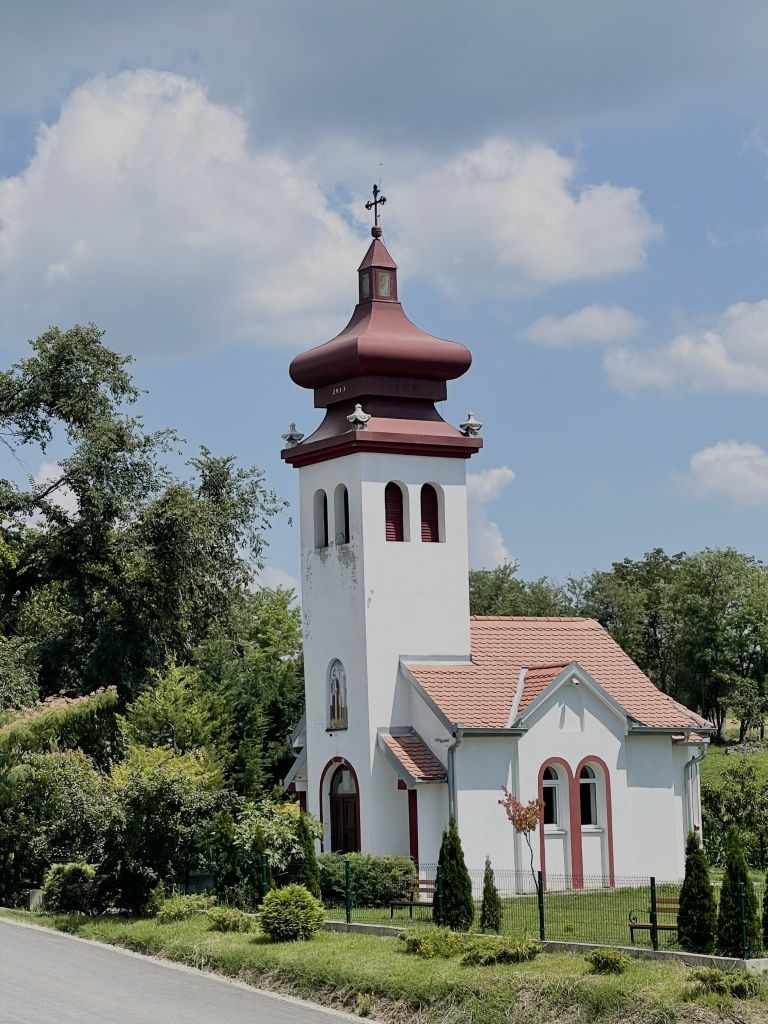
(228, 919)
(729, 924)
(458, 906)
(490, 909)
(376, 881)
(489, 952)
(697, 916)
(290, 913)
(179, 907)
(69, 888)
(739, 984)
(429, 943)
(607, 961)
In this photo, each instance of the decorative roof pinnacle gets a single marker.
(470, 427)
(292, 437)
(358, 419)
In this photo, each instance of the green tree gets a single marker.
(173, 698)
(458, 905)
(499, 591)
(165, 803)
(697, 916)
(251, 667)
(490, 909)
(54, 808)
(112, 566)
(303, 868)
(737, 924)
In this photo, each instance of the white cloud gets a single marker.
(508, 215)
(731, 355)
(63, 496)
(598, 324)
(732, 470)
(146, 209)
(272, 576)
(487, 547)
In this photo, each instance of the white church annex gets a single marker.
(416, 711)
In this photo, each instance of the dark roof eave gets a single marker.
(670, 730)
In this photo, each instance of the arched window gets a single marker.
(588, 795)
(393, 512)
(321, 519)
(551, 796)
(430, 515)
(337, 696)
(341, 515)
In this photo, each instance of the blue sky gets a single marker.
(577, 191)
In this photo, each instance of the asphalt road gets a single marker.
(50, 978)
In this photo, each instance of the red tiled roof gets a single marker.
(481, 694)
(415, 756)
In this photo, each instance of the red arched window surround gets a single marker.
(608, 806)
(574, 822)
(430, 515)
(393, 512)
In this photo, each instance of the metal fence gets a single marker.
(622, 911)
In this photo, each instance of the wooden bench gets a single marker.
(665, 907)
(421, 893)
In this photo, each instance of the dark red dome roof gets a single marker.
(380, 341)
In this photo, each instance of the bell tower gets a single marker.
(383, 524)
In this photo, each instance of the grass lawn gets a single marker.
(375, 977)
(717, 759)
(600, 915)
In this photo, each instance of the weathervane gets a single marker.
(374, 204)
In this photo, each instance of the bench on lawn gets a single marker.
(421, 893)
(665, 907)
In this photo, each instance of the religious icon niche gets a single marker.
(337, 696)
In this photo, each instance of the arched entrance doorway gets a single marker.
(345, 811)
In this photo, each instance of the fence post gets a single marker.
(540, 899)
(264, 875)
(439, 897)
(654, 915)
(743, 920)
(348, 890)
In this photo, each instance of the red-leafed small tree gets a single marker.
(524, 819)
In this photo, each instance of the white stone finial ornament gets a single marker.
(358, 419)
(470, 427)
(292, 437)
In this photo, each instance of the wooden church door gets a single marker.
(345, 812)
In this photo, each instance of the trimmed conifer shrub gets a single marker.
(697, 916)
(303, 869)
(458, 905)
(490, 909)
(730, 938)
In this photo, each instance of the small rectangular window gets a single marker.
(588, 803)
(550, 805)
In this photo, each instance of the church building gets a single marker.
(417, 711)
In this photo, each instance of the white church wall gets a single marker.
(482, 766)
(387, 814)
(432, 803)
(655, 829)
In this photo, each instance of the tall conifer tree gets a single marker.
(490, 910)
(697, 917)
(458, 905)
(733, 934)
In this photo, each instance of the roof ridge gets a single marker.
(532, 618)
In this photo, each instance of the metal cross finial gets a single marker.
(374, 204)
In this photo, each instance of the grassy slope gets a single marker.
(717, 759)
(376, 978)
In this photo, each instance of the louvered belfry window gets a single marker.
(393, 512)
(430, 520)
